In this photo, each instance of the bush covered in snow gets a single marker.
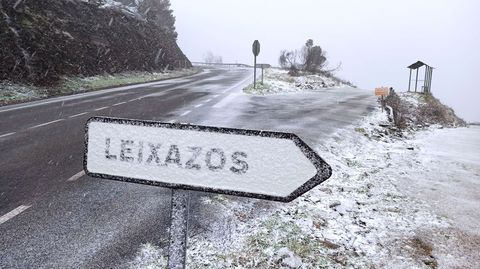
(417, 110)
(279, 81)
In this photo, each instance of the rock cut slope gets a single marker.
(41, 41)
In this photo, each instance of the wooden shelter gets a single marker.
(427, 81)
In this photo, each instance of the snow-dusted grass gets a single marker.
(103, 81)
(357, 218)
(278, 81)
(413, 110)
(364, 216)
(149, 257)
(361, 217)
(12, 93)
(396, 199)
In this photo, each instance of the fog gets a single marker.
(374, 40)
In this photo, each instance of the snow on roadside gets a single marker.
(361, 217)
(149, 257)
(278, 81)
(12, 92)
(367, 215)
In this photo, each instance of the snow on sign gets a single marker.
(258, 164)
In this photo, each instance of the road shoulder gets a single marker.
(11, 94)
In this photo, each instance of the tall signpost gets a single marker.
(258, 164)
(256, 51)
(263, 66)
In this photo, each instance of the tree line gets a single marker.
(158, 12)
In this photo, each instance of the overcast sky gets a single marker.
(374, 40)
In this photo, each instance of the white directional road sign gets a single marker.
(259, 164)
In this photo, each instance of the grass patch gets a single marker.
(102, 81)
(16, 93)
(272, 235)
(261, 88)
(360, 130)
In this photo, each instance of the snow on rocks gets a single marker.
(131, 10)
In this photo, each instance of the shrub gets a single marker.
(400, 110)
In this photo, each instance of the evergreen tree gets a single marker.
(159, 12)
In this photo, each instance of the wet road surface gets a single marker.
(53, 216)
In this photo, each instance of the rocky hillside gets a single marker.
(45, 40)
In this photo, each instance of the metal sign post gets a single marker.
(262, 75)
(256, 51)
(251, 163)
(177, 251)
(263, 66)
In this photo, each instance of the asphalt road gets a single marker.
(53, 216)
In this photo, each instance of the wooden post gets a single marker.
(416, 81)
(409, 79)
(425, 80)
(430, 80)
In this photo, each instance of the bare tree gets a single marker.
(210, 58)
(288, 59)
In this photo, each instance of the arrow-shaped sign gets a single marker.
(258, 164)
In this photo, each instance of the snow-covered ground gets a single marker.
(278, 81)
(392, 202)
(395, 200)
(364, 215)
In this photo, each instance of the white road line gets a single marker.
(216, 95)
(101, 108)
(238, 84)
(13, 213)
(185, 113)
(208, 100)
(171, 121)
(7, 134)
(199, 105)
(46, 123)
(77, 176)
(225, 100)
(121, 103)
(79, 114)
